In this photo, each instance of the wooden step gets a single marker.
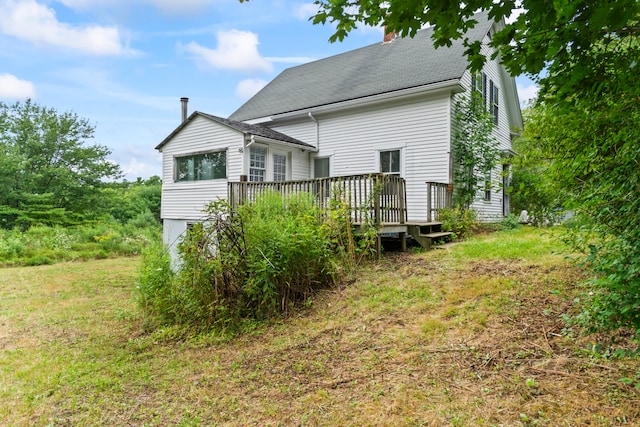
(438, 235)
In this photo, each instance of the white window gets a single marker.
(390, 162)
(321, 167)
(279, 167)
(199, 167)
(257, 164)
(493, 102)
(487, 187)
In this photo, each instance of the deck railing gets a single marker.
(377, 198)
(438, 197)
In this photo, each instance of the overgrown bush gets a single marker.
(460, 221)
(47, 245)
(509, 222)
(252, 263)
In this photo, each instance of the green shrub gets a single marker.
(509, 222)
(461, 222)
(11, 244)
(250, 264)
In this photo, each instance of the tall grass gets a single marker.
(47, 245)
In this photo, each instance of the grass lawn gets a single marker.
(468, 335)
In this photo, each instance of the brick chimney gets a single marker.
(389, 36)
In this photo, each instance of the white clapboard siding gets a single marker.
(300, 165)
(303, 130)
(420, 129)
(185, 200)
(493, 209)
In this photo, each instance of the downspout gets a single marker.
(317, 130)
(245, 170)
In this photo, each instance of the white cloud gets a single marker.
(527, 93)
(515, 14)
(247, 88)
(12, 87)
(31, 21)
(305, 11)
(237, 50)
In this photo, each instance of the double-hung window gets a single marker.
(279, 167)
(390, 162)
(199, 167)
(257, 164)
(493, 102)
(478, 85)
(487, 187)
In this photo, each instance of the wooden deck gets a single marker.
(376, 199)
(371, 199)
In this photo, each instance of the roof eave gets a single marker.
(260, 138)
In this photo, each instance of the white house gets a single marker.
(384, 108)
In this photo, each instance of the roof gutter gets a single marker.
(258, 139)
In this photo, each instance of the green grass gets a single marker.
(471, 335)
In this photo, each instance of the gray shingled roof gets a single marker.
(245, 128)
(371, 70)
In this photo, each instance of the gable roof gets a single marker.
(245, 128)
(375, 69)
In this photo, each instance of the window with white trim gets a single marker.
(478, 81)
(390, 162)
(487, 187)
(493, 103)
(200, 167)
(279, 167)
(257, 164)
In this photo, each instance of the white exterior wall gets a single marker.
(172, 232)
(186, 200)
(493, 210)
(353, 141)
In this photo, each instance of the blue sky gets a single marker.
(124, 64)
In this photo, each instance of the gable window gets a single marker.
(257, 164)
(390, 162)
(200, 167)
(493, 102)
(279, 167)
(321, 167)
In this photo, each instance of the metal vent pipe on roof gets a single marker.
(184, 102)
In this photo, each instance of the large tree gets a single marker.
(48, 172)
(585, 55)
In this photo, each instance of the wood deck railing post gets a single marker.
(375, 193)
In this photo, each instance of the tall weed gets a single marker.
(256, 262)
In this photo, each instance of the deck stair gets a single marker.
(428, 233)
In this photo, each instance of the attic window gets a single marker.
(200, 167)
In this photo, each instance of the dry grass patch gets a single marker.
(436, 338)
